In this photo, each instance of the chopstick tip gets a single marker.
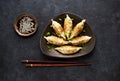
(25, 61)
(29, 65)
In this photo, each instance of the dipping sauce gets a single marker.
(25, 25)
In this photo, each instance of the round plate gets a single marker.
(53, 53)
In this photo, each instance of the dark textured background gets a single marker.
(102, 15)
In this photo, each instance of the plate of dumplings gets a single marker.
(67, 36)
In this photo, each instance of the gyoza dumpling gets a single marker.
(56, 40)
(68, 49)
(68, 26)
(77, 29)
(80, 40)
(58, 29)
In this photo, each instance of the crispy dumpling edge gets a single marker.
(89, 38)
(78, 48)
(65, 42)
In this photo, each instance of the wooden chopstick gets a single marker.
(51, 61)
(55, 65)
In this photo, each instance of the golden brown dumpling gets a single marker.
(58, 29)
(56, 40)
(68, 26)
(68, 49)
(80, 40)
(77, 29)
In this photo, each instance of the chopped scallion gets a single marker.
(48, 43)
(50, 25)
(84, 30)
(48, 46)
(48, 33)
(49, 50)
(60, 19)
(83, 45)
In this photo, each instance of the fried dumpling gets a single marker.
(58, 29)
(68, 26)
(80, 40)
(68, 49)
(77, 29)
(56, 40)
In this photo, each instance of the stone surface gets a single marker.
(102, 15)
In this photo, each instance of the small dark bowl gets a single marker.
(16, 24)
(53, 53)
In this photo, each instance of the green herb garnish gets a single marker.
(48, 33)
(49, 50)
(50, 25)
(72, 19)
(48, 46)
(60, 19)
(64, 34)
(48, 43)
(53, 46)
(71, 31)
(83, 45)
(84, 30)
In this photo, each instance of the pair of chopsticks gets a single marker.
(51, 63)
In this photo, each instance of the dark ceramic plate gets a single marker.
(49, 50)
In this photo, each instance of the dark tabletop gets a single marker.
(104, 19)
